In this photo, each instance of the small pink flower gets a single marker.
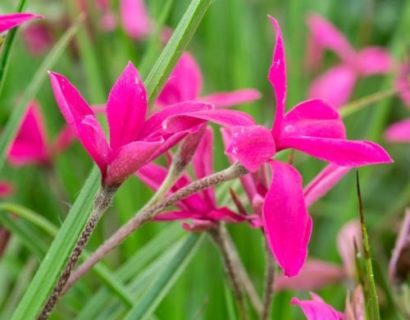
(317, 309)
(336, 85)
(200, 208)
(12, 20)
(32, 145)
(134, 140)
(185, 83)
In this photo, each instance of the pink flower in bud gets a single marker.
(399, 265)
(336, 85)
(32, 145)
(134, 140)
(185, 83)
(200, 208)
(12, 20)
(317, 309)
(312, 127)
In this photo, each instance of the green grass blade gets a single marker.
(7, 47)
(175, 47)
(13, 124)
(169, 275)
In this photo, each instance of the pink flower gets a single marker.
(38, 38)
(200, 208)
(336, 85)
(185, 83)
(6, 189)
(134, 140)
(135, 18)
(317, 309)
(312, 127)
(398, 132)
(12, 20)
(31, 144)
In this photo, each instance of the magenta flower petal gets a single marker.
(184, 83)
(314, 275)
(251, 146)
(350, 153)
(155, 122)
(129, 159)
(374, 60)
(135, 19)
(81, 119)
(277, 77)
(317, 309)
(226, 215)
(12, 20)
(313, 118)
(398, 132)
(203, 163)
(327, 36)
(286, 221)
(30, 144)
(6, 189)
(323, 182)
(126, 107)
(234, 98)
(334, 86)
(226, 118)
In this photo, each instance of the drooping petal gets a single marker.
(184, 83)
(251, 146)
(349, 238)
(277, 77)
(234, 98)
(126, 107)
(12, 20)
(154, 123)
(350, 153)
(323, 182)
(30, 144)
(398, 132)
(81, 119)
(314, 275)
(327, 36)
(317, 309)
(6, 189)
(286, 221)
(135, 19)
(203, 164)
(334, 86)
(399, 262)
(129, 159)
(374, 60)
(225, 118)
(313, 118)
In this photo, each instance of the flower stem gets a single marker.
(148, 213)
(219, 235)
(269, 283)
(101, 203)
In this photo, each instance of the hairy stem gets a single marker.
(230, 260)
(243, 276)
(148, 213)
(101, 203)
(269, 283)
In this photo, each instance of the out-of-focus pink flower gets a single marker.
(355, 309)
(134, 140)
(317, 309)
(336, 85)
(185, 83)
(399, 262)
(135, 18)
(6, 189)
(349, 238)
(32, 145)
(200, 208)
(38, 38)
(12, 20)
(403, 83)
(312, 127)
(398, 132)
